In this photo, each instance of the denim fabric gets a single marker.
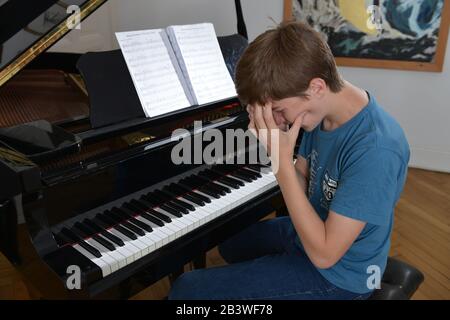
(264, 263)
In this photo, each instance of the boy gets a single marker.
(340, 193)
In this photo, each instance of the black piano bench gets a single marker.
(400, 281)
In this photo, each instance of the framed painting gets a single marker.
(393, 34)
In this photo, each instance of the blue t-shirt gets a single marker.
(358, 170)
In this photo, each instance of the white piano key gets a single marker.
(106, 256)
(106, 269)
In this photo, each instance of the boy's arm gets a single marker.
(301, 167)
(324, 242)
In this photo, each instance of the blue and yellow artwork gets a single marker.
(405, 30)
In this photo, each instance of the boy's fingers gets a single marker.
(268, 116)
(296, 126)
(259, 118)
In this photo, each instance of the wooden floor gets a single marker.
(421, 237)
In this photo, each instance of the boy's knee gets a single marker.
(182, 287)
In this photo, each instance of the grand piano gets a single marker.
(102, 195)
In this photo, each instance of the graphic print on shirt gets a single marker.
(329, 187)
(313, 162)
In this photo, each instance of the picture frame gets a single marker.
(345, 29)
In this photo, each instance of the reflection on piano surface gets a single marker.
(118, 208)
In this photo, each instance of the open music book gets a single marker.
(176, 67)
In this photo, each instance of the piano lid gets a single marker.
(30, 27)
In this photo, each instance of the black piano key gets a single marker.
(153, 219)
(126, 232)
(178, 207)
(102, 218)
(143, 213)
(152, 200)
(164, 202)
(233, 180)
(211, 178)
(238, 170)
(171, 210)
(135, 221)
(189, 194)
(196, 195)
(226, 189)
(108, 245)
(120, 219)
(61, 239)
(210, 192)
(223, 178)
(228, 182)
(254, 167)
(79, 233)
(192, 182)
(87, 231)
(106, 220)
(69, 234)
(162, 195)
(133, 228)
(171, 191)
(184, 204)
(186, 194)
(113, 238)
(147, 208)
(254, 173)
(211, 184)
(159, 215)
(194, 199)
(189, 183)
(141, 225)
(241, 176)
(179, 202)
(81, 242)
(157, 199)
(94, 227)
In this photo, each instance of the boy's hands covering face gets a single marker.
(278, 143)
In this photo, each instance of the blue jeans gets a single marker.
(264, 263)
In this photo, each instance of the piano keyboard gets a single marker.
(117, 237)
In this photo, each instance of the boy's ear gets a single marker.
(317, 87)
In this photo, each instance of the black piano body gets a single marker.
(106, 167)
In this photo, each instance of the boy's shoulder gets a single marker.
(384, 131)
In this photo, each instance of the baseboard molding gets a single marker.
(430, 160)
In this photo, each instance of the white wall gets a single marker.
(161, 13)
(420, 101)
(97, 32)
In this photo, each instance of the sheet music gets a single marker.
(201, 61)
(154, 70)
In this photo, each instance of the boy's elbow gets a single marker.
(324, 261)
